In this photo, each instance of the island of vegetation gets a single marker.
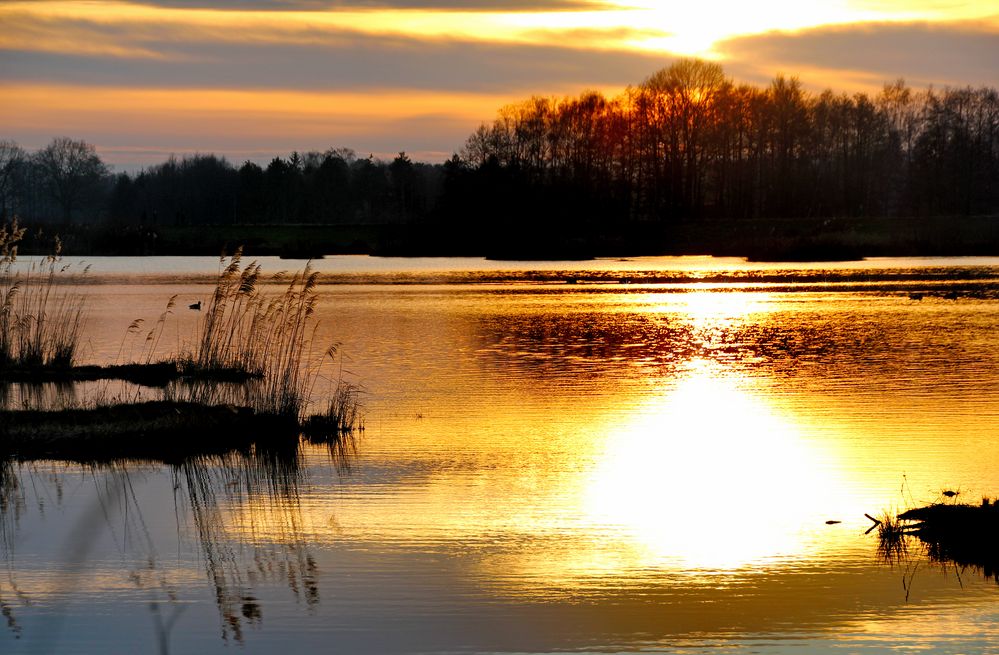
(686, 162)
(245, 380)
(961, 533)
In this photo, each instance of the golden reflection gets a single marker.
(710, 477)
(709, 307)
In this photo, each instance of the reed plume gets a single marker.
(247, 331)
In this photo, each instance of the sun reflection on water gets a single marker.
(710, 477)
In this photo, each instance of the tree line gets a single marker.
(67, 182)
(686, 143)
(689, 143)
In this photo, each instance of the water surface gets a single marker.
(605, 456)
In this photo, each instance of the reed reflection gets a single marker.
(243, 508)
(48, 395)
(264, 484)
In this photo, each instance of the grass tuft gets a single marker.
(893, 539)
(341, 415)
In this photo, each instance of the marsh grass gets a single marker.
(893, 539)
(949, 534)
(245, 332)
(962, 534)
(40, 324)
(248, 374)
(254, 349)
(341, 414)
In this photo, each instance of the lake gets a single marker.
(609, 456)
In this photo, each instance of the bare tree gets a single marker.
(72, 171)
(12, 158)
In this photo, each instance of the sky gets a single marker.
(254, 79)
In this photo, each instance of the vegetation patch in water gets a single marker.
(963, 534)
(247, 377)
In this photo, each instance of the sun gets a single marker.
(695, 29)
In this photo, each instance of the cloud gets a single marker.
(315, 5)
(344, 61)
(80, 27)
(139, 81)
(386, 75)
(954, 54)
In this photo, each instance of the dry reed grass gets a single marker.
(252, 347)
(40, 325)
(341, 415)
(266, 337)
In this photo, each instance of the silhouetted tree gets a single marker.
(251, 200)
(370, 190)
(333, 187)
(687, 143)
(74, 175)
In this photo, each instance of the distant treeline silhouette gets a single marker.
(67, 182)
(687, 143)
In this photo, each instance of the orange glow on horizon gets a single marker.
(163, 111)
(211, 113)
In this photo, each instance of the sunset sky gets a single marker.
(252, 79)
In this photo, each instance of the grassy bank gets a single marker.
(161, 430)
(152, 374)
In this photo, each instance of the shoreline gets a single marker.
(762, 240)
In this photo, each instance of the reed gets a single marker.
(341, 415)
(263, 336)
(893, 542)
(40, 323)
(249, 362)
